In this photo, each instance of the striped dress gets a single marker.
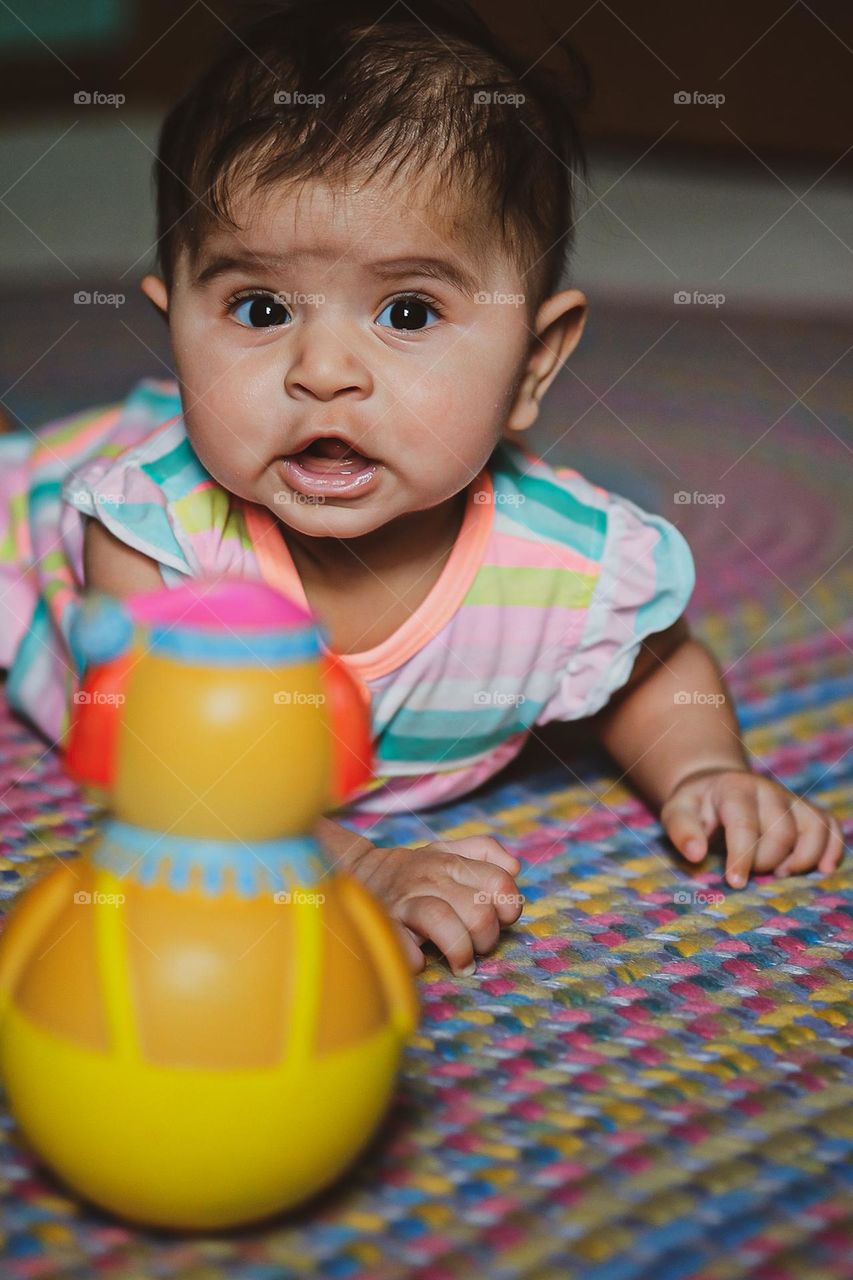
(538, 614)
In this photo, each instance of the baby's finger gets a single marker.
(834, 851)
(479, 915)
(739, 816)
(488, 910)
(486, 883)
(508, 905)
(411, 946)
(814, 836)
(778, 828)
(435, 919)
(683, 825)
(483, 849)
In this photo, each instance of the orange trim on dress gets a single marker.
(434, 611)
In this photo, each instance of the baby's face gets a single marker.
(328, 379)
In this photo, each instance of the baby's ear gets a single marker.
(155, 290)
(557, 330)
(525, 407)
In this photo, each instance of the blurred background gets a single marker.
(715, 240)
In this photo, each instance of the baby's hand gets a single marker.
(766, 825)
(456, 893)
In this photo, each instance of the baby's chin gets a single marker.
(331, 519)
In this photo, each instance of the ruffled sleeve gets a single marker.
(645, 581)
(159, 499)
(88, 464)
(125, 495)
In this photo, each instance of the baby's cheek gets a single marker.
(228, 458)
(450, 415)
(428, 397)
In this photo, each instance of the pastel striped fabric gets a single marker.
(538, 615)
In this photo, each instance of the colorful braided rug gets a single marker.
(646, 1080)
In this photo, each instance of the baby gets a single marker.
(364, 216)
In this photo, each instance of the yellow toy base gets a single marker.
(194, 1149)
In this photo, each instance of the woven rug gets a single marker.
(646, 1080)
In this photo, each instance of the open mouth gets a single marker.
(329, 455)
(329, 466)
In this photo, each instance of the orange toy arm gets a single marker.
(349, 724)
(90, 747)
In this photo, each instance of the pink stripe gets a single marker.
(527, 553)
(465, 650)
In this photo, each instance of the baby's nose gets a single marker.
(325, 364)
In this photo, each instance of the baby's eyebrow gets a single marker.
(390, 268)
(436, 268)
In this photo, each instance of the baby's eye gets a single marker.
(258, 310)
(408, 311)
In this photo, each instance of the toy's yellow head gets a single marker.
(211, 709)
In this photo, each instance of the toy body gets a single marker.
(200, 1020)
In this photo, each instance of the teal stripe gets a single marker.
(146, 395)
(548, 509)
(449, 735)
(148, 524)
(34, 643)
(673, 562)
(177, 472)
(44, 490)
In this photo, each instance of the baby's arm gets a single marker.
(673, 729)
(111, 565)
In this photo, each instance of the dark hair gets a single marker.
(400, 86)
